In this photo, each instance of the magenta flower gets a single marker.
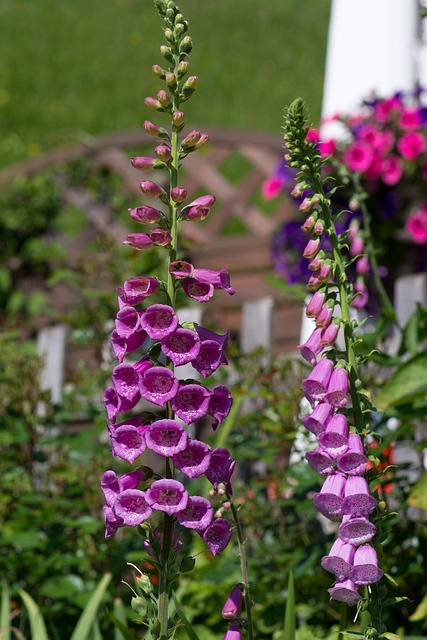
(166, 437)
(416, 226)
(167, 495)
(315, 386)
(220, 402)
(138, 241)
(233, 604)
(358, 157)
(200, 291)
(136, 289)
(357, 499)
(312, 347)
(320, 461)
(329, 335)
(356, 530)
(212, 351)
(181, 346)
(345, 591)
(317, 421)
(353, 461)
(411, 145)
(335, 437)
(181, 269)
(159, 321)
(217, 535)
(271, 187)
(218, 279)
(161, 237)
(324, 317)
(128, 442)
(132, 507)
(145, 215)
(121, 346)
(111, 485)
(197, 514)
(315, 305)
(330, 499)
(391, 170)
(126, 383)
(365, 566)
(112, 521)
(151, 189)
(190, 403)
(311, 249)
(233, 632)
(127, 321)
(339, 561)
(111, 403)
(193, 460)
(158, 385)
(221, 467)
(199, 208)
(337, 394)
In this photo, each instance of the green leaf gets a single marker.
(408, 382)
(37, 625)
(85, 623)
(420, 612)
(5, 611)
(121, 631)
(389, 636)
(290, 622)
(418, 495)
(186, 623)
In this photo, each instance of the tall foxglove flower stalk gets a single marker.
(340, 407)
(150, 343)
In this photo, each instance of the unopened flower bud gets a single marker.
(163, 152)
(319, 227)
(296, 191)
(138, 241)
(179, 29)
(164, 99)
(161, 237)
(169, 35)
(143, 163)
(178, 119)
(151, 189)
(311, 248)
(153, 104)
(305, 205)
(145, 215)
(144, 582)
(233, 604)
(316, 263)
(191, 139)
(204, 139)
(166, 53)
(221, 489)
(154, 130)
(179, 18)
(183, 67)
(170, 80)
(329, 335)
(309, 223)
(191, 84)
(158, 71)
(178, 194)
(186, 45)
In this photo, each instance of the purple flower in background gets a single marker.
(233, 604)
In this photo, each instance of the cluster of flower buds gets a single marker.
(340, 455)
(150, 343)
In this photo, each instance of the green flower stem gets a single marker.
(163, 602)
(343, 621)
(244, 569)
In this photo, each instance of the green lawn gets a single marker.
(80, 67)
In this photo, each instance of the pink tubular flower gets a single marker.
(128, 442)
(151, 189)
(357, 499)
(339, 561)
(127, 321)
(218, 279)
(138, 241)
(112, 521)
(121, 346)
(166, 437)
(353, 461)
(198, 514)
(194, 460)
(317, 421)
(312, 347)
(159, 321)
(181, 346)
(233, 632)
(335, 437)
(345, 591)
(337, 394)
(111, 485)
(126, 383)
(411, 145)
(329, 335)
(191, 402)
(356, 530)
(199, 208)
(324, 317)
(320, 461)
(158, 385)
(137, 289)
(167, 495)
(131, 506)
(217, 535)
(315, 304)
(221, 467)
(220, 402)
(315, 386)
(330, 499)
(233, 604)
(365, 566)
(212, 351)
(160, 237)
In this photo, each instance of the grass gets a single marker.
(79, 68)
